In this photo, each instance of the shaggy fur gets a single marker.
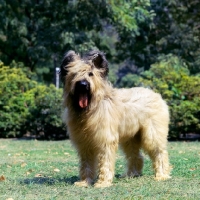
(100, 117)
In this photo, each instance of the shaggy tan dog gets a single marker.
(99, 117)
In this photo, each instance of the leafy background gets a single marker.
(148, 43)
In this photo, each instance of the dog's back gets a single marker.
(140, 107)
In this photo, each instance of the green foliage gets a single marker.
(133, 33)
(34, 32)
(170, 77)
(164, 27)
(45, 116)
(127, 15)
(176, 31)
(129, 80)
(26, 105)
(15, 100)
(133, 20)
(38, 33)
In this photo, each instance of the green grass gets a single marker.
(47, 170)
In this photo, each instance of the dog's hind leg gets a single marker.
(87, 169)
(134, 158)
(154, 142)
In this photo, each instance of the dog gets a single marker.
(100, 118)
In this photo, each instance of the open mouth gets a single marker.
(82, 94)
(83, 100)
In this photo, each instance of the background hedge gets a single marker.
(148, 43)
(171, 78)
(27, 107)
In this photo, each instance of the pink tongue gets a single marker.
(83, 100)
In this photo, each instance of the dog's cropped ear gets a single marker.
(99, 60)
(70, 56)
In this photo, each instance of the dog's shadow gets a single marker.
(53, 181)
(49, 181)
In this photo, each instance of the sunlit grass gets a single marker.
(47, 170)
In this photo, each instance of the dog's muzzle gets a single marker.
(82, 93)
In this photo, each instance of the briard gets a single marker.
(99, 117)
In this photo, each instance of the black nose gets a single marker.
(83, 85)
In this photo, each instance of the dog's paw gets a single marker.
(82, 184)
(162, 177)
(102, 184)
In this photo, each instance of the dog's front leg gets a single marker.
(87, 169)
(106, 165)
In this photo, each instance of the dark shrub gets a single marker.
(45, 117)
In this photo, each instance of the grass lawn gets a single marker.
(47, 170)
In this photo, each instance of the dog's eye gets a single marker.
(91, 74)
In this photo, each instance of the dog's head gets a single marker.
(83, 76)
